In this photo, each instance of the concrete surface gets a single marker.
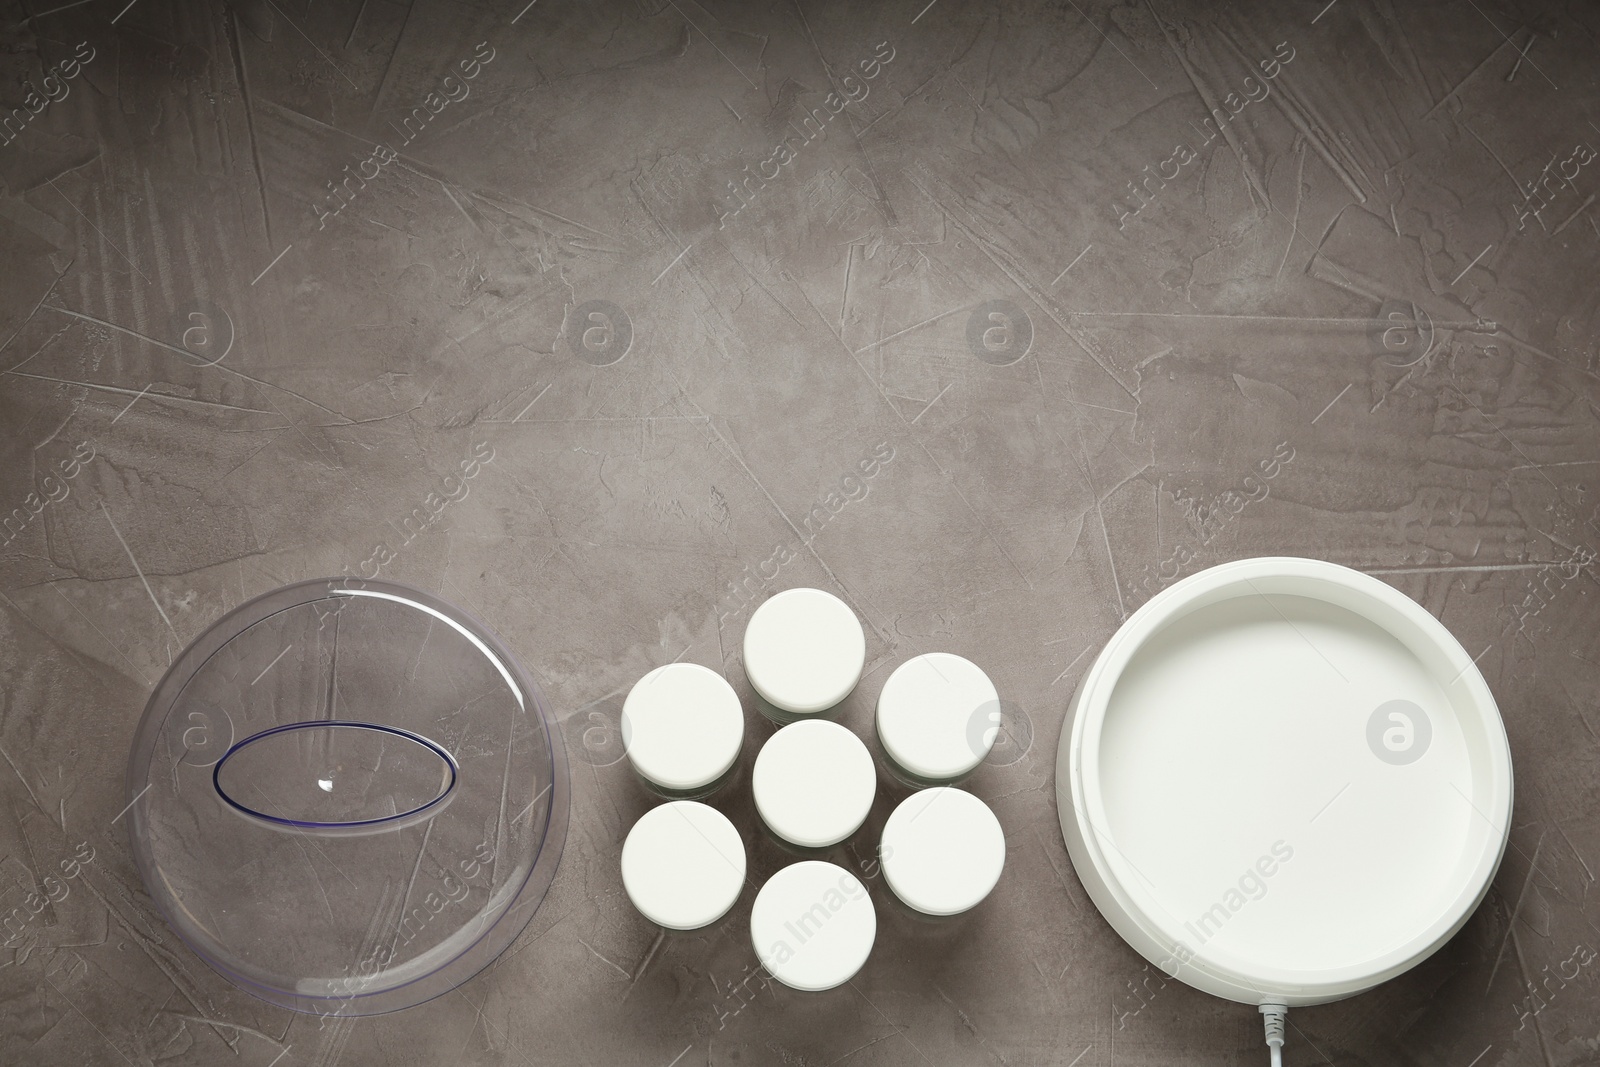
(1356, 318)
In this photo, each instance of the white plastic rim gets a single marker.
(683, 865)
(682, 726)
(813, 783)
(938, 716)
(813, 925)
(804, 650)
(942, 851)
(1283, 779)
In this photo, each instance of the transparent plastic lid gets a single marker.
(346, 796)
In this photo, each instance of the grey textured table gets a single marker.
(1046, 306)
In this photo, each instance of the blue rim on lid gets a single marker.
(336, 825)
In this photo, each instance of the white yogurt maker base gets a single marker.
(1284, 781)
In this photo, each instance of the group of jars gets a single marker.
(812, 924)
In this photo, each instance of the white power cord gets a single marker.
(1272, 1017)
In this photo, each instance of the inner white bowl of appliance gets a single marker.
(1284, 781)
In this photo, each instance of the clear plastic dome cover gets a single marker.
(347, 796)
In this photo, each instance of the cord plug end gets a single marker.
(1272, 1019)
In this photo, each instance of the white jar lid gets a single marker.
(938, 715)
(683, 865)
(942, 850)
(682, 725)
(804, 650)
(813, 925)
(814, 782)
